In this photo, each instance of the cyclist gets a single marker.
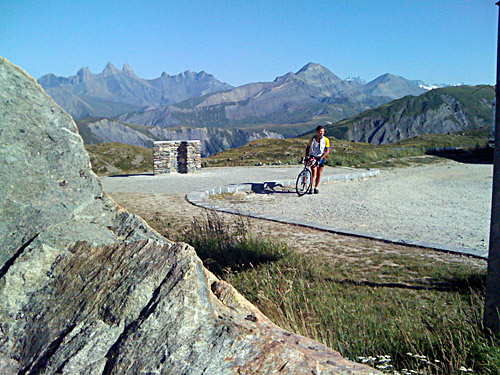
(319, 148)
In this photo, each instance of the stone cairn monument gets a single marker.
(176, 156)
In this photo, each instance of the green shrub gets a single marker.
(226, 247)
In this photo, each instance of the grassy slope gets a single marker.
(421, 309)
(351, 154)
(118, 158)
(260, 152)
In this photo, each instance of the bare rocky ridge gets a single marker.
(88, 288)
(212, 139)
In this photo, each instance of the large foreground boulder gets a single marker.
(88, 288)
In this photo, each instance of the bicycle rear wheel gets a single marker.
(303, 183)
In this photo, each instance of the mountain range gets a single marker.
(115, 91)
(290, 104)
(136, 111)
(213, 140)
(199, 99)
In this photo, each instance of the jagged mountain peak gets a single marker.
(84, 69)
(110, 69)
(190, 75)
(127, 69)
(187, 73)
(84, 72)
(124, 90)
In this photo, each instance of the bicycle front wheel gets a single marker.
(303, 184)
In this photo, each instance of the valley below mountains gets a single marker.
(118, 106)
(212, 140)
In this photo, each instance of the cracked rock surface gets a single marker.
(88, 288)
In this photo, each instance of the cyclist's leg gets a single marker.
(318, 176)
(314, 170)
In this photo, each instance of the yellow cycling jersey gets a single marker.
(318, 148)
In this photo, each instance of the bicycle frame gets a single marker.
(304, 179)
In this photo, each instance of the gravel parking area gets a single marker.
(447, 203)
(177, 183)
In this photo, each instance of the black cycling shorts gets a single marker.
(321, 162)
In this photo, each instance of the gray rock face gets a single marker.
(107, 130)
(87, 288)
(443, 110)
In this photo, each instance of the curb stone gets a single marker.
(199, 198)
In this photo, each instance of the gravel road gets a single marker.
(447, 203)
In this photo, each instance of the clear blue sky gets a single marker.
(249, 41)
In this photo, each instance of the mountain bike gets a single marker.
(304, 179)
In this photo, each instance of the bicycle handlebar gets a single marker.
(310, 160)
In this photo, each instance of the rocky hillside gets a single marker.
(95, 131)
(114, 91)
(293, 98)
(88, 288)
(443, 110)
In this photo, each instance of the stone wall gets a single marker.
(176, 156)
